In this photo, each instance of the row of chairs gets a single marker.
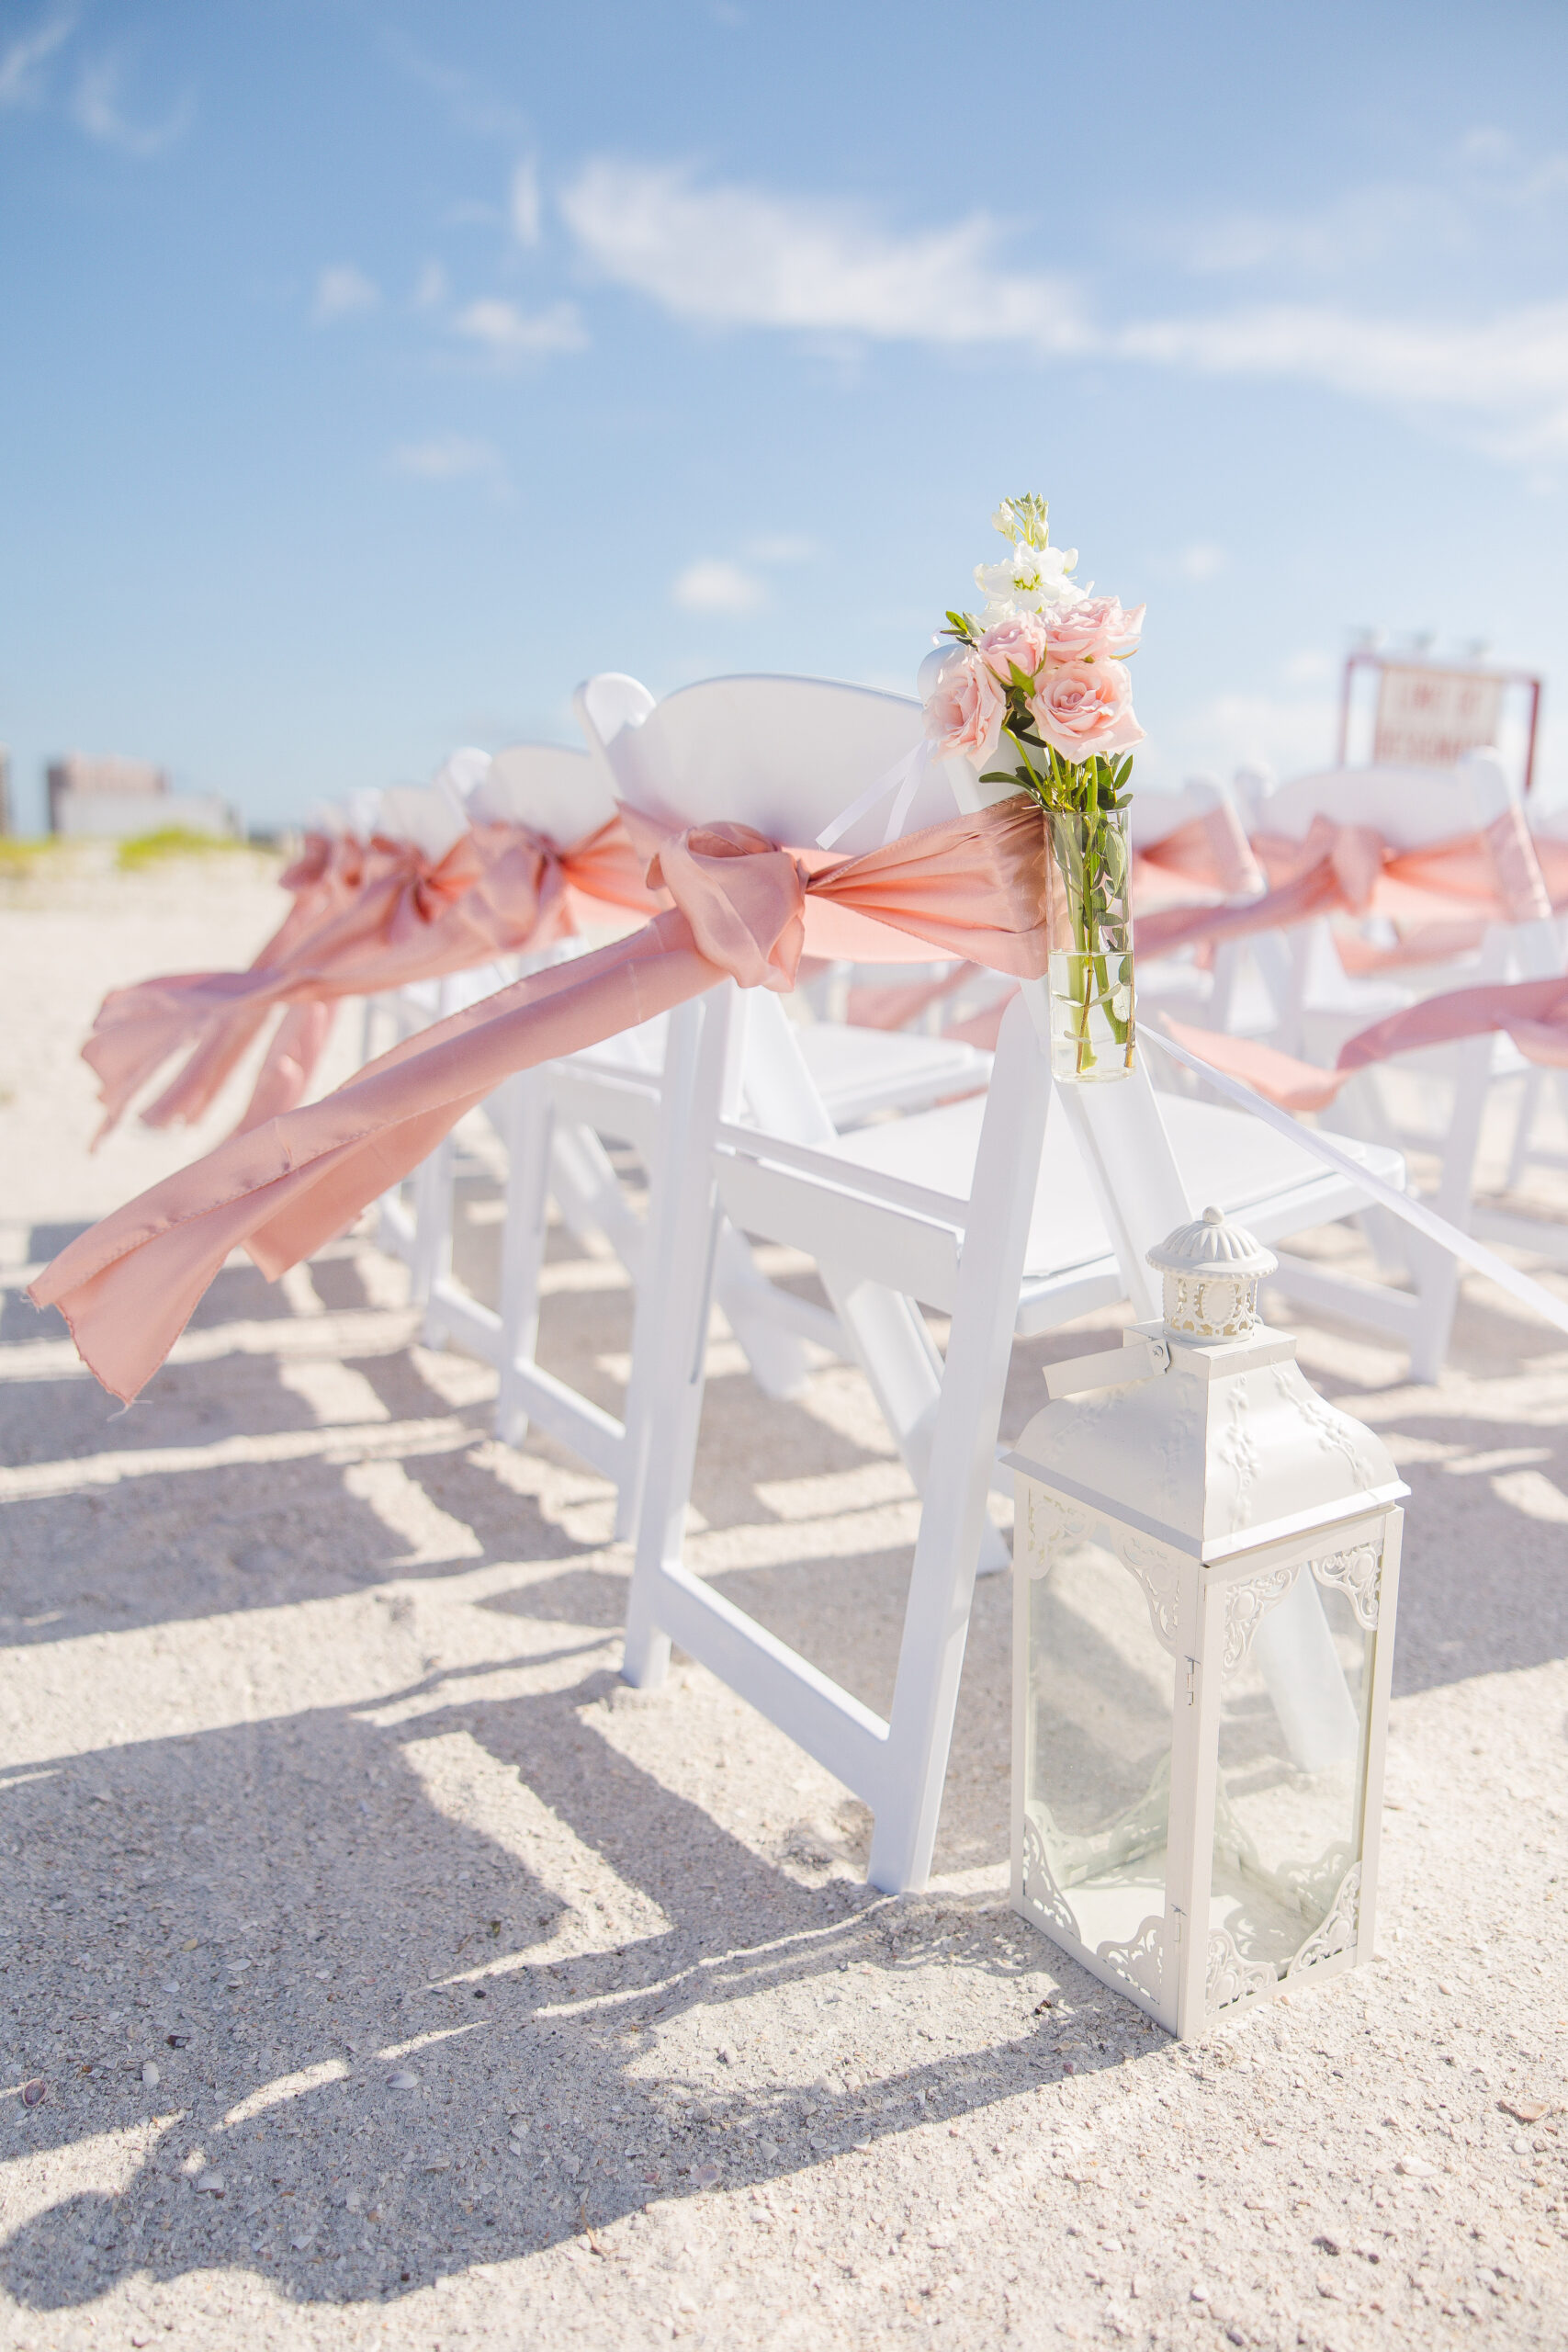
(919, 1175)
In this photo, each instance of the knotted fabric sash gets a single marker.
(744, 909)
(1209, 852)
(1350, 869)
(1534, 1013)
(365, 919)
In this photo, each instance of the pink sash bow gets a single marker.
(1350, 869)
(365, 919)
(744, 908)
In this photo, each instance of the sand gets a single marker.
(394, 1976)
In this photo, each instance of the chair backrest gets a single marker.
(784, 755)
(1155, 816)
(329, 817)
(1410, 807)
(552, 789)
(420, 815)
(362, 812)
(458, 775)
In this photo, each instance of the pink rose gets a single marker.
(1086, 707)
(1021, 642)
(964, 710)
(1096, 631)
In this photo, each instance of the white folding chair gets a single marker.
(1527, 1150)
(1436, 1100)
(977, 1209)
(555, 1124)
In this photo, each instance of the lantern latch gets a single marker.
(1140, 1357)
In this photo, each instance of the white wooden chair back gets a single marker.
(784, 755)
(362, 812)
(1411, 807)
(550, 787)
(421, 816)
(1155, 816)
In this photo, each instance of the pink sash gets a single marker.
(1350, 869)
(1210, 853)
(973, 886)
(1534, 1013)
(364, 921)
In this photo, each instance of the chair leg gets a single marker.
(779, 1362)
(670, 1351)
(530, 1122)
(587, 1194)
(1436, 1274)
(432, 1257)
(667, 1257)
(1524, 1129)
(887, 1335)
(962, 1440)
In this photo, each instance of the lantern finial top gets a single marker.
(1212, 1270)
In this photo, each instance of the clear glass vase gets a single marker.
(1089, 938)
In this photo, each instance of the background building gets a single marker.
(119, 797)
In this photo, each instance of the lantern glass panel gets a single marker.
(1097, 1773)
(1292, 1750)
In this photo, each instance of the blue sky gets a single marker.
(374, 373)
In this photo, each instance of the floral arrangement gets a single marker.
(1041, 671)
(1035, 694)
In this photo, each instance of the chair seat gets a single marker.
(1225, 1158)
(857, 1071)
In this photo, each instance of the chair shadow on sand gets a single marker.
(579, 1997)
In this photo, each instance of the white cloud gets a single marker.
(527, 218)
(714, 585)
(1515, 178)
(743, 257)
(449, 457)
(345, 293)
(430, 286)
(1510, 370)
(738, 256)
(507, 332)
(96, 110)
(1200, 562)
(1310, 667)
(1360, 228)
(21, 80)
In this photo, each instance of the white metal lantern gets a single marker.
(1205, 1568)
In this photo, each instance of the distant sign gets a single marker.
(1429, 715)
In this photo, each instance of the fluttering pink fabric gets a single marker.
(1350, 869)
(365, 919)
(744, 906)
(1534, 1013)
(1210, 853)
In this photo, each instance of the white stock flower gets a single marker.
(1029, 579)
